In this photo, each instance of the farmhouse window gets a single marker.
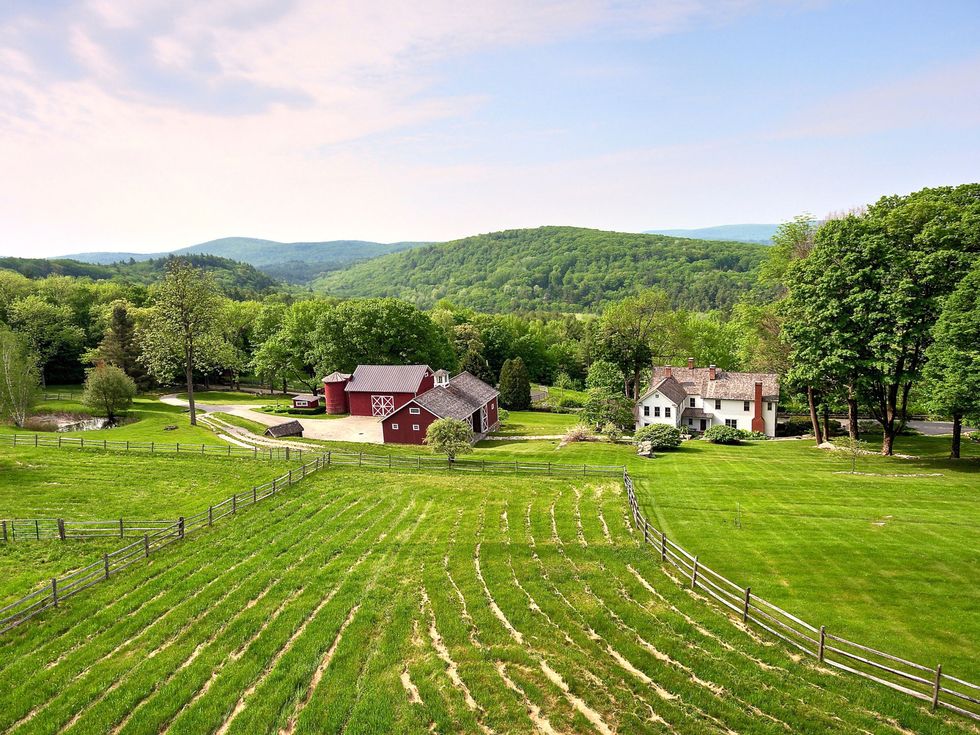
(733, 423)
(414, 411)
(394, 427)
(656, 411)
(415, 427)
(769, 406)
(745, 405)
(717, 404)
(666, 412)
(691, 403)
(646, 410)
(690, 422)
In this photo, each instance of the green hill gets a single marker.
(236, 279)
(556, 268)
(295, 262)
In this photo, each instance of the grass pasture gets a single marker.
(888, 558)
(374, 602)
(94, 485)
(536, 423)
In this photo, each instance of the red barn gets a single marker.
(376, 390)
(464, 397)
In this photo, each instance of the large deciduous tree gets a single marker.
(863, 303)
(451, 437)
(184, 330)
(378, 331)
(633, 332)
(50, 331)
(19, 377)
(108, 389)
(953, 369)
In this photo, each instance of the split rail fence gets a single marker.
(58, 590)
(930, 684)
(46, 529)
(358, 459)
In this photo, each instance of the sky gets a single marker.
(152, 125)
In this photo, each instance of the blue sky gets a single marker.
(153, 125)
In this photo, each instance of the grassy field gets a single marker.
(889, 558)
(365, 602)
(536, 423)
(96, 485)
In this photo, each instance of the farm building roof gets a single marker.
(336, 377)
(463, 395)
(290, 428)
(387, 378)
(306, 397)
(726, 385)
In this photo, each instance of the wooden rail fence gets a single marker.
(355, 459)
(54, 593)
(46, 529)
(930, 684)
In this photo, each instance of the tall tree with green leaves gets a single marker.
(119, 347)
(635, 331)
(952, 372)
(19, 377)
(108, 389)
(515, 386)
(184, 331)
(50, 331)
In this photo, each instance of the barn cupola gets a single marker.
(441, 377)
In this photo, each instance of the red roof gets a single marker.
(387, 378)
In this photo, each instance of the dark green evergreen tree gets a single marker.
(515, 386)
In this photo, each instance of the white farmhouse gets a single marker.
(697, 398)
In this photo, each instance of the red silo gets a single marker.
(334, 393)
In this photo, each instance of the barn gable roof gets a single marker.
(463, 395)
(387, 378)
(289, 428)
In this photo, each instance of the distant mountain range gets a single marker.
(294, 262)
(738, 233)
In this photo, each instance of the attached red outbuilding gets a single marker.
(464, 397)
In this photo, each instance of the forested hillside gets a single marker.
(295, 262)
(556, 268)
(237, 280)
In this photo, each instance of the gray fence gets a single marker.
(930, 684)
(204, 450)
(45, 529)
(59, 589)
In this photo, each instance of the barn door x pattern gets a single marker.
(382, 405)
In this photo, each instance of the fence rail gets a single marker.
(929, 684)
(152, 447)
(359, 459)
(59, 589)
(45, 529)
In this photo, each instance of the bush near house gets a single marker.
(719, 434)
(660, 436)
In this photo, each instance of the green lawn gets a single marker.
(536, 423)
(84, 484)
(298, 413)
(890, 562)
(393, 603)
(242, 423)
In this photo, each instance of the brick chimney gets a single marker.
(690, 363)
(668, 371)
(712, 372)
(758, 423)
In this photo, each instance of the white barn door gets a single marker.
(382, 405)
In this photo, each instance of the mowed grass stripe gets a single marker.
(145, 681)
(166, 623)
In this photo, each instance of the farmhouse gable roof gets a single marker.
(725, 385)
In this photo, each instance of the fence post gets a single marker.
(35, 441)
(663, 546)
(4, 524)
(745, 605)
(61, 529)
(360, 458)
(146, 544)
(694, 574)
(273, 486)
(328, 456)
(646, 532)
(823, 637)
(37, 529)
(287, 454)
(936, 686)
(234, 503)
(180, 527)
(120, 528)
(151, 447)
(178, 447)
(105, 562)
(290, 480)
(210, 515)
(54, 590)
(254, 495)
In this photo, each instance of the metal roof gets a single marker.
(336, 377)
(387, 378)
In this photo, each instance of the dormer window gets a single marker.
(692, 402)
(442, 377)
